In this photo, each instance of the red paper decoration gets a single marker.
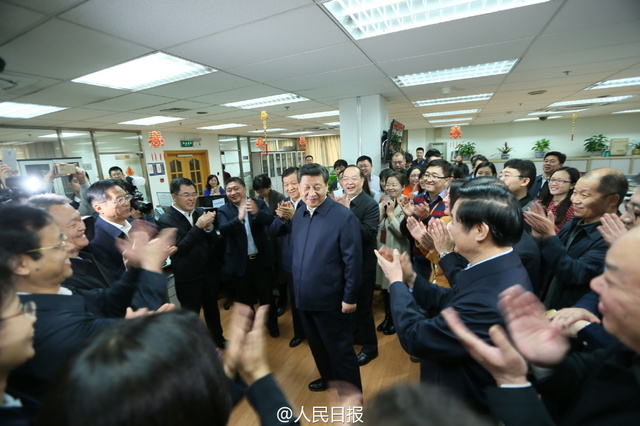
(303, 143)
(155, 139)
(260, 144)
(455, 132)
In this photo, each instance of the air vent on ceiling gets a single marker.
(316, 129)
(174, 110)
(9, 82)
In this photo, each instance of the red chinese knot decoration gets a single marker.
(303, 143)
(155, 139)
(260, 144)
(455, 132)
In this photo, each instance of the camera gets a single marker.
(138, 203)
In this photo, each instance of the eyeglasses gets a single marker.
(25, 308)
(353, 179)
(507, 176)
(430, 176)
(633, 209)
(62, 245)
(119, 200)
(188, 195)
(554, 180)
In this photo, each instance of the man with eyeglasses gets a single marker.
(113, 205)
(576, 254)
(553, 160)
(195, 268)
(518, 175)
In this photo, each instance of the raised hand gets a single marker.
(252, 207)
(542, 224)
(442, 240)
(392, 269)
(285, 210)
(611, 227)
(205, 221)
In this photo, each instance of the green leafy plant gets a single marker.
(596, 143)
(504, 150)
(541, 145)
(466, 149)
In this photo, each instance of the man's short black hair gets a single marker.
(614, 183)
(262, 181)
(340, 163)
(290, 171)
(443, 164)
(236, 180)
(19, 227)
(308, 156)
(485, 202)
(525, 168)
(115, 168)
(313, 169)
(433, 152)
(97, 192)
(477, 158)
(175, 185)
(419, 149)
(561, 157)
(364, 158)
(408, 157)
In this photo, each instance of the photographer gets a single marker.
(139, 208)
(74, 174)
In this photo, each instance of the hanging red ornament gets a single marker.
(455, 132)
(129, 171)
(155, 139)
(260, 144)
(303, 143)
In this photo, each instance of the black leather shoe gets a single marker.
(274, 332)
(365, 358)
(295, 341)
(318, 385)
(391, 329)
(384, 324)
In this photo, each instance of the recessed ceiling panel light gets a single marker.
(20, 110)
(324, 134)
(149, 71)
(459, 112)
(366, 18)
(295, 133)
(275, 129)
(333, 123)
(286, 98)
(315, 115)
(451, 74)
(454, 100)
(64, 135)
(452, 124)
(569, 111)
(620, 82)
(149, 121)
(628, 111)
(223, 126)
(604, 100)
(527, 119)
(448, 120)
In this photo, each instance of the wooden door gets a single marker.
(192, 165)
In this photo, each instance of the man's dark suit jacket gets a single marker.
(445, 362)
(534, 191)
(327, 257)
(599, 388)
(573, 268)
(280, 228)
(88, 273)
(236, 259)
(63, 324)
(367, 212)
(103, 247)
(195, 246)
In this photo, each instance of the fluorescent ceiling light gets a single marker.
(149, 121)
(315, 115)
(223, 126)
(557, 112)
(452, 124)
(459, 112)
(64, 135)
(604, 100)
(286, 98)
(228, 140)
(620, 82)
(295, 133)
(367, 18)
(628, 111)
(149, 71)
(20, 110)
(333, 123)
(454, 100)
(527, 119)
(275, 129)
(324, 134)
(448, 120)
(472, 71)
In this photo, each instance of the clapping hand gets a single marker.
(542, 224)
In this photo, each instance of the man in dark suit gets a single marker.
(553, 160)
(327, 268)
(194, 266)
(113, 205)
(249, 257)
(601, 387)
(368, 214)
(486, 222)
(281, 226)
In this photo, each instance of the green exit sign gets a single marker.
(186, 144)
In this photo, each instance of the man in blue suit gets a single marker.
(326, 267)
(248, 258)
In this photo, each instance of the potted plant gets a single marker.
(505, 150)
(596, 144)
(636, 148)
(540, 147)
(466, 149)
